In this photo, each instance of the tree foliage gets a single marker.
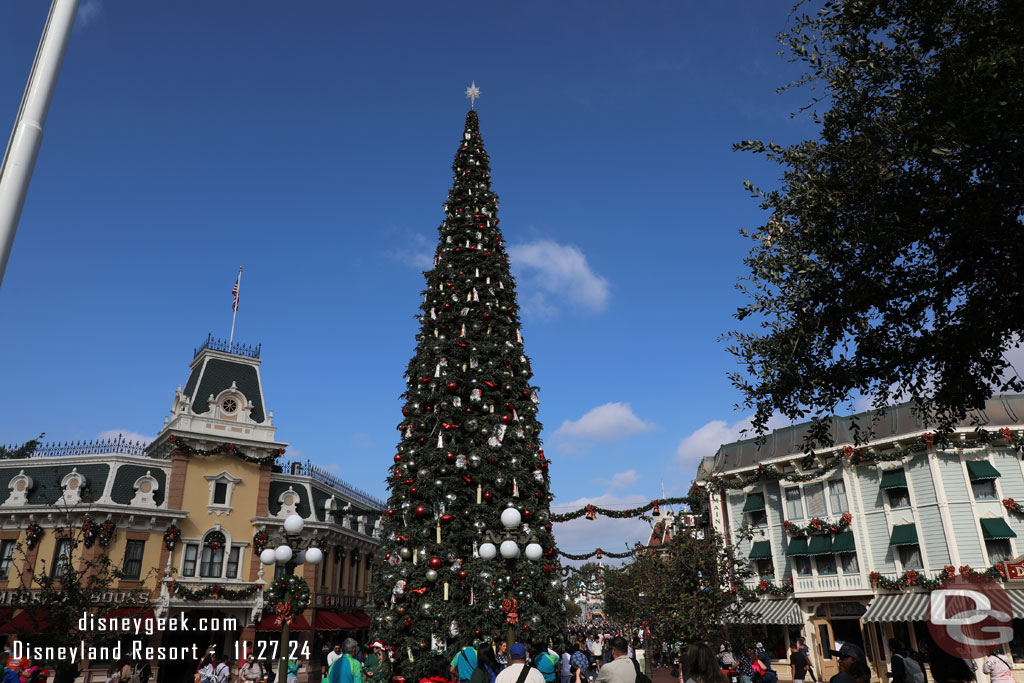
(685, 590)
(23, 451)
(889, 265)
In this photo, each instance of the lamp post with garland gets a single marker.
(508, 548)
(291, 554)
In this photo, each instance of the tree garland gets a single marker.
(818, 526)
(913, 578)
(171, 536)
(300, 598)
(212, 592)
(1013, 506)
(33, 533)
(592, 511)
(766, 587)
(222, 449)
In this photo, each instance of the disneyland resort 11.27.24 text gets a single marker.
(136, 626)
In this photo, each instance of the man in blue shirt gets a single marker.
(464, 662)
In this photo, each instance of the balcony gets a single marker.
(830, 583)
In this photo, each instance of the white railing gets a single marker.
(829, 583)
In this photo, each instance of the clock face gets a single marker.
(229, 405)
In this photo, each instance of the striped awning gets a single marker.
(783, 612)
(898, 607)
(1016, 603)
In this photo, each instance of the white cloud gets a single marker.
(614, 535)
(88, 13)
(124, 434)
(605, 423)
(621, 480)
(552, 273)
(707, 438)
(417, 252)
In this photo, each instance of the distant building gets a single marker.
(213, 482)
(839, 540)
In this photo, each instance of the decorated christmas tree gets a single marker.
(468, 550)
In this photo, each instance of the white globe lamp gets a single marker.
(268, 556)
(314, 555)
(510, 518)
(488, 551)
(283, 554)
(534, 551)
(509, 550)
(293, 524)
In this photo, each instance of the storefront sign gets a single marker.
(1015, 569)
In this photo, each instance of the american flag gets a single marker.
(234, 294)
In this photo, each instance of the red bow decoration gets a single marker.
(283, 610)
(510, 606)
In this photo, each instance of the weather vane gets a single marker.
(472, 92)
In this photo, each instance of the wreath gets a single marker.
(259, 541)
(171, 536)
(279, 588)
(32, 535)
(89, 533)
(106, 533)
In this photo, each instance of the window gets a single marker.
(794, 509)
(61, 558)
(758, 518)
(814, 494)
(213, 558)
(826, 564)
(233, 556)
(133, 559)
(898, 497)
(803, 566)
(220, 493)
(984, 489)
(6, 557)
(998, 549)
(837, 496)
(189, 566)
(849, 563)
(765, 568)
(910, 556)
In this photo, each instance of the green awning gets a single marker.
(903, 534)
(820, 545)
(996, 527)
(980, 470)
(843, 543)
(797, 546)
(894, 479)
(755, 503)
(761, 550)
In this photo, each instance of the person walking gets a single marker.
(518, 669)
(846, 655)
(999, 667)
(251, 671)
(798, 664)
(703, 665)
(621, 668)
(566, 659)
(334, 655)
(346, 668)
(487, 667)
(377, 666)
(545, 662)
(464, 663)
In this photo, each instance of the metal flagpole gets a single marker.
(234, 307)
(27, 136)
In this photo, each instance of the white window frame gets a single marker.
(824, 499)
(222, 478)
(799, 501)
(845, 497)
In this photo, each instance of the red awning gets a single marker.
(30, 620)
(6, 627)
(299, 623)
(360, 619)
(329, 621)
(138, 612)
(346, 620)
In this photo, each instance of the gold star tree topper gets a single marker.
(472, 92)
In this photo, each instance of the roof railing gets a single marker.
(118, 446)
(317, 473)
(235, 348)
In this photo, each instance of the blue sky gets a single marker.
(311, 142)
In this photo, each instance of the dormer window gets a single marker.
(19, 485)
(72, 483)
(222, 486)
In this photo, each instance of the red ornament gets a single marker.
(434, 563)
(450, 457)
(451, 386)
(506, 418)
(488, 496)
(421, 511)
(547, 527)
(415, 491)
(462, 574)
(390, 512)
(445, 519)
(487, 316)
(398, 456)
(547, 569)
(527, 514)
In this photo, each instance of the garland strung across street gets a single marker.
(592, 511)
(818, 526)
(856, 456)
(213, 592)
(914, 579)
(221, 449)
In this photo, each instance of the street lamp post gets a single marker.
(508, 547)
(291, 554)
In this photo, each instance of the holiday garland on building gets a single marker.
(221, 449)
(1013, 506)
(212, 592)
(106, 534)
(33, 533)
(818, 526)
(469, 447)
(912, 578)
(766, 587)
(90, 530)
(171, 536)
(592, 511)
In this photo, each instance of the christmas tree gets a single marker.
(468, 550)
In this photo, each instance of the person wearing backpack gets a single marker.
(999, 667)
(464, 663)
(904, 669)
(545, 662)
